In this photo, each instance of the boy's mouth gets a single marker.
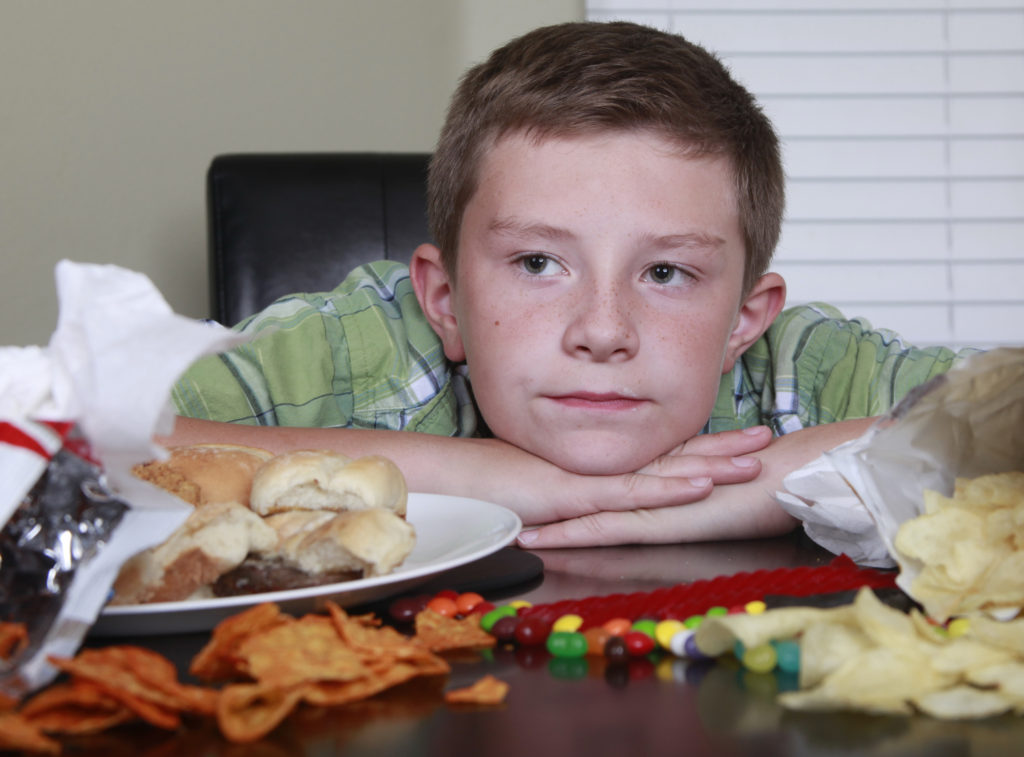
(607, 401)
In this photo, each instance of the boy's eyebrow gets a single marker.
(690, 240)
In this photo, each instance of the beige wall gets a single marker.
(112, 110)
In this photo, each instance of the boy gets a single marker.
(605, 201)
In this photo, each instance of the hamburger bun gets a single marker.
(370, 542)
(323, 480)
(214, 539)
(205, 474)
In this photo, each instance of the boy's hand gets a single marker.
(745, 509)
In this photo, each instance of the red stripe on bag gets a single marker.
(11, 434)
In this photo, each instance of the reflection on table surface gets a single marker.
(586, 706)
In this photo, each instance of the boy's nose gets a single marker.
(602, 329)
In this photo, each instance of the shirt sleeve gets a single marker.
(815, 366)
(360, 356)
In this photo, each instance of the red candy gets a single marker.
(532, 631)
(638, 643)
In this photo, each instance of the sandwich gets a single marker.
(264, 522)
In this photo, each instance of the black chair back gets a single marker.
(299, 222)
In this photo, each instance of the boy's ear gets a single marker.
(435, 291)
(758, 311)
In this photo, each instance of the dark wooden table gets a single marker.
(586, 707)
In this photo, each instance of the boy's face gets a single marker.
(598, 296)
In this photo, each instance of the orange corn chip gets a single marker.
(217, 661)
(13, 636)
(487, 690)
(248, 711)
(76, 707)
(17, 734)
(142, 680)
(301, 651)
(439, 633)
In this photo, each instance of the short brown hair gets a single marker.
(586, 77)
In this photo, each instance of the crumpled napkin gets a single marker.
(108, 369)
(965, 423)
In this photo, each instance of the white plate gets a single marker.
(450, 531)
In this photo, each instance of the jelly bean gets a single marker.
(520, 603)
(567, 623)
(755, 607)
(717, 611)
(693, 621)
(638, 643)
(467, 602)
(404, 610)
(738, 649)
(483, 608)
(448, 594)
(665, 630)
(490, 618)
(677, 644)
(958, 627)
(504, 629)
(443, 606)
(618, 626)
(645, 625)
(615, 650)
(567, 644)
(532, 631)
(597, 637)
(788, 653)
(760, 659)
(692, 650)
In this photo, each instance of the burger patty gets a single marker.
(256, 575)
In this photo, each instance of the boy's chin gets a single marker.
(599, 461)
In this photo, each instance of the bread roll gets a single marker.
(204, 474)
(373, 541)
(321, 480)
(214, 539)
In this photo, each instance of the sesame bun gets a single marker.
(322, 480)
(204, 474)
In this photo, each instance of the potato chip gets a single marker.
(17, 734)
(301, 651)
(1006, 634)
(963, 703)
(823, 648)
(248, 711)
(716, 635)
(439, 633)
(962, 655)
(485, 691)
(216, 661)
(75, 707)
(1008, 677)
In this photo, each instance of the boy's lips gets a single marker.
(607, 401)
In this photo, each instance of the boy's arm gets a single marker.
(741, 510)
(496, 471)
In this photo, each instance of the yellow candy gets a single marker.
(665, 630)
(755, 607)
(517, 603)
(958, 627)
(567, 623)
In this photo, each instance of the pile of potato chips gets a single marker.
(869, 657)
(268, 663)
(968, 549)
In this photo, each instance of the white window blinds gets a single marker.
(903, 134)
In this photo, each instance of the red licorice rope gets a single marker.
(683, 600)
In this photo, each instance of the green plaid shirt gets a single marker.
(364, 356)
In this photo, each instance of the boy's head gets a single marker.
(585, 78)
(599, 185)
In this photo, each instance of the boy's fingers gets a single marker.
(721, 469)
(729, 443)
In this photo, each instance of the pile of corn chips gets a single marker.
(968, 549)
(869, 657)
(268, 663)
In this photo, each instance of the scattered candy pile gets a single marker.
(623, 627)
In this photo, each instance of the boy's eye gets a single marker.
(664, 273)
(539, 265)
